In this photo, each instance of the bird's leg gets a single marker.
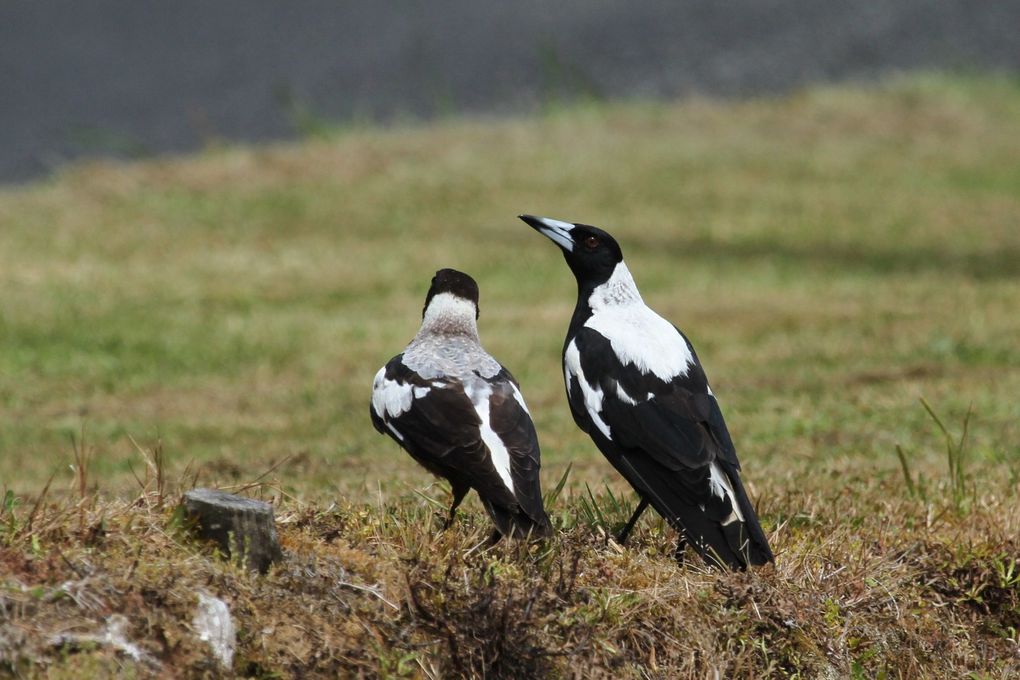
(681, 550)
(494, 538)
(458, 495)
(622, 538)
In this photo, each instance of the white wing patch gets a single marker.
(721, 487)
(592, 395)
(520, 398)
(479, 394)
(391, 399)
(626, 398)
(637, 334)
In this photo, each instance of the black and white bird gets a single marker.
(460, 414)
(637, 388)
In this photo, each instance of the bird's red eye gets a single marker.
(591, 243)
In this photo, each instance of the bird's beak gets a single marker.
(557, 231)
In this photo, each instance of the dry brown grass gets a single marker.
(867, 583)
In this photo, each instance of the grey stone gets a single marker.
(244, 529)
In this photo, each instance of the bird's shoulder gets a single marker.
(504, 386)
(507, 408)
(440, 399)
(639, 336)
(643, 369)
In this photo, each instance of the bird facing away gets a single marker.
(460, 414)
(637, 388)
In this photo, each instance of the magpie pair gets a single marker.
(634, 384)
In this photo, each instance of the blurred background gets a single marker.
(134, 78)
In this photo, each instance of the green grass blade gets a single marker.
(551, 497)
(911, 489)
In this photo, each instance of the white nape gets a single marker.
(446, 310)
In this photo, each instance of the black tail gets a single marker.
(516, 523)
(757, 549)
(735, 545)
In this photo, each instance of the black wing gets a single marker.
(511, 421)
(671, 443)
(439, 425)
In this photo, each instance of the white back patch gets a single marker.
(637, 334)
(479, 393)
(592, 395)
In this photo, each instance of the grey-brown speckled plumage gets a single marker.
(447, 343)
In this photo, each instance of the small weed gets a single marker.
(956, 450)
(155, 473)
(606, 514)
(554, 493)
(398, 664)
(83, 457)
(1007, 568)
(833, 618)
(955, 455)
(914, 489)
(9, 515)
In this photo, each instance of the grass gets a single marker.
(836, 255)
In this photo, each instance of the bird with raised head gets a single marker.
(636, 386)
(460, 414)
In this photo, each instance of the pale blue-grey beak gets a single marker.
(556, 230)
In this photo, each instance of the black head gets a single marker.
(454, 282)
(591, 253)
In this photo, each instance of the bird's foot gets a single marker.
(680, 554)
